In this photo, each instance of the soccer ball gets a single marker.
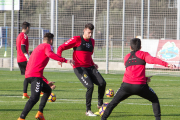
(52, 98)
(110, 93)
(101, 111)
(106, 103)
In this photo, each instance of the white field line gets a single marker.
(80, 101)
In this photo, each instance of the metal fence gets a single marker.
(116, 22)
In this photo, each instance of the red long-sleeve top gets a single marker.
(135, 74)
(39, 59)
(81, 58)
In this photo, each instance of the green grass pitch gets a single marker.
(70, 94)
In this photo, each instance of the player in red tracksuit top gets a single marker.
(84, 67)
(135, 81)
(22, 46)
(34, 73)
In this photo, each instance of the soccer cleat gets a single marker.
(41, 94)
(103, 105)
(39, 116)
(90, 113)
(25, 96)
(20, 119)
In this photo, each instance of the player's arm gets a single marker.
(52, 55)
(67, 45)
(92, 62)
(50, 83)
(153, 60)
(23, 47)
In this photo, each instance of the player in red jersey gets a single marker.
(135, 81)
(22, 46)
(84, 67)
(34, 73)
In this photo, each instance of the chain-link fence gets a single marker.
(148, 19)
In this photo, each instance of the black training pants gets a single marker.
(89, 77)
(127, 90)
(37, 85)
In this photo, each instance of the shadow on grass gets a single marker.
(120, 114)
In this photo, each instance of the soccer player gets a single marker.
(22, 46)
(134, 80)
(84, 68)
(34, 73)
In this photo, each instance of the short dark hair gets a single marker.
(48, 36)
(89, 26)
(25, 25)
(135, 44)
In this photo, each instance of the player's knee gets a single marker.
(103, 84)
(155, 100)
(91, 86)
(34, 99)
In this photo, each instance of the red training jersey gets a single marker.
(81, 58)
(22, 39)
(39, 59)
(135, 74)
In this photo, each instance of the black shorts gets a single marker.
(22, 67)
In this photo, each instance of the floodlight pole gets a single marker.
(178, 19)
(142, 19)
(52, 16)
(107, 39)
(148, 19)
(12, 30)
(123, 24)
(56, 26)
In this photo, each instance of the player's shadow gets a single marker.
(143, 98)
(120, 114)
(16, 110)
(12, 90)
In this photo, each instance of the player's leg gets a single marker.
(150, 95)
(120, 95)
(98, 80)
(83, 76)
(22, 67)
(47, 91)
(34, 98)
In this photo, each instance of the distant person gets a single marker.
(84, 68)
(135, 81)
(99, 39)
(22, 46)
(34, 73)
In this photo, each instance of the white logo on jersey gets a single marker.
(88, 45)
(25, 36)
(37, 86)
(69, 41)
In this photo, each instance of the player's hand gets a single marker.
(71, 62)
(27, 56)
(171, 66)
(149, 79)
(60, 63)
(96, 66)
(52, 85)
